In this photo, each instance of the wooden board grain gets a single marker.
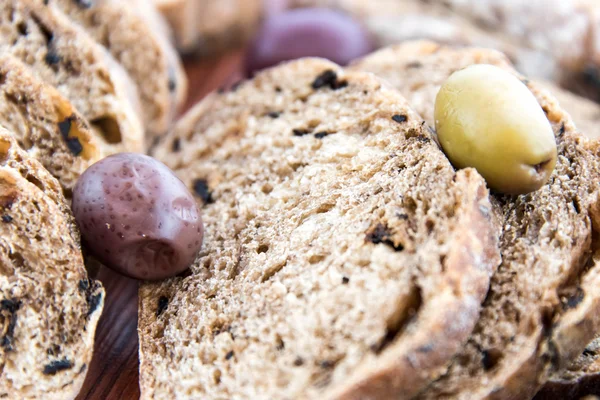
(113, 373)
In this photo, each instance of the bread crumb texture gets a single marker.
(45, 124)
(48, 307)
(543, 305)
(343, 258)
(63, 55)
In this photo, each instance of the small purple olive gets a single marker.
(307, 32)
(137, 217)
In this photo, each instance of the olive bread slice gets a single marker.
(62, 55)
(49, 307)
(46, 124)
(343, 255)
(543, 306)
(129, 31)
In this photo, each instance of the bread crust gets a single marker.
(540, 334)
(46, 123)
(137, 37)
(63, 55)
(49, 308)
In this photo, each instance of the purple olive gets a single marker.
(137, 217)
(307, 32)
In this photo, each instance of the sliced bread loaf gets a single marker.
(64, 56)
(343, 256)
(131, 33)
(543, 306)
(205, 27)
(48, 307)
(46, 124)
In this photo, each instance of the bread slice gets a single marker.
(543, 306)
(48, 307)
(64, 56)
(129, 31)
(46, 124)
(343, 255)
(206, 27)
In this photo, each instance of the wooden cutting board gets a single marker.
(113, 373)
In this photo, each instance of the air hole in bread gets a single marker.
(176, 146)
(110, 129)
(279, 343)
(36, 182)
(267, 188)
(263, 248)
(589, 352)
(272, 270)
(22, 28)
(18, 261)
(407, 310)
(24, 143)
(297, 165)
(217, 376)
(316, 258)
(429, 224)
(490, 358)
(323, 208)
(576, 207)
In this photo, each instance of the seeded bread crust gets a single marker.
(48, 307)
(206, 27)
(46, 124)
(554, 40)
(132, 33)
(61, 54)
(543, 306)
(343, 256)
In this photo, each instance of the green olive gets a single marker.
(488, 119)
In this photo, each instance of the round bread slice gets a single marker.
(63, 55)
(129, 30)
(48, 307)
(46, 124)
(206, 27)
(343, 257)
(543, 306)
